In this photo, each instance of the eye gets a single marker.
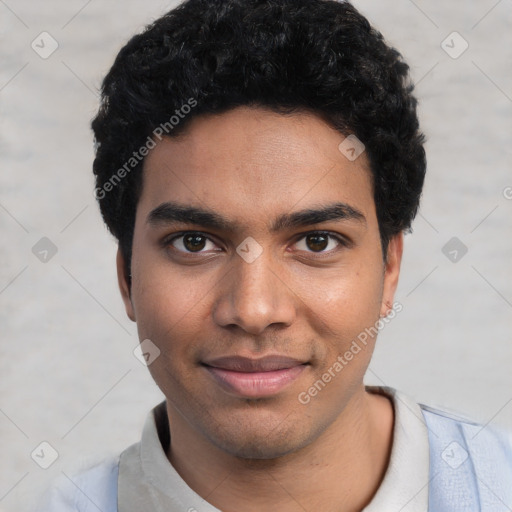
(191, 242)
(319, 242)
(195, 242)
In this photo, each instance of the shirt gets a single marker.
(438, 463)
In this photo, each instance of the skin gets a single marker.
(300, 299)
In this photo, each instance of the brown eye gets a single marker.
(191, 242)
(318, 242)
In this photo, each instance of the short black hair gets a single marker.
(210, 56)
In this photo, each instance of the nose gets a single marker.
(254, 296)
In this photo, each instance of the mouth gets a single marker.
(254, 378)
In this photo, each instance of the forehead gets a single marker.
(250, 163)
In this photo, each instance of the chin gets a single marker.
(260, 440)
(258, 449)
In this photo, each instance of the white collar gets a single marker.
(148, 481)
(406, 482)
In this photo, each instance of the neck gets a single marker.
(340, 471)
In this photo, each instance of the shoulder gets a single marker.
(91, 488)
(470, 463)
(443, 425)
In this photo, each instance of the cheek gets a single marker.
(344, 314)
(343, 299)
(171, 311)
(170, 304)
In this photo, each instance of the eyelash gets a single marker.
(341, 240)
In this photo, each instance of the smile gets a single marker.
(254, 378)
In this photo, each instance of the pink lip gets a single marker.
(254, 378)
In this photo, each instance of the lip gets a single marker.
(254, 378)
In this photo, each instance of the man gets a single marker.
(258, 162)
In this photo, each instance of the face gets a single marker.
(256, 263)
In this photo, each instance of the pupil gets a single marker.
(317, 242)
(194, 242)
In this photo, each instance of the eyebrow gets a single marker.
(171, 212)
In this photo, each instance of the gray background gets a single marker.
(68, 374)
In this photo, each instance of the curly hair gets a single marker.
(209, 56)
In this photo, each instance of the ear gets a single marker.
(391, 272)
(124, 286)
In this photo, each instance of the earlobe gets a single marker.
(124, 285)
(391, 273)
